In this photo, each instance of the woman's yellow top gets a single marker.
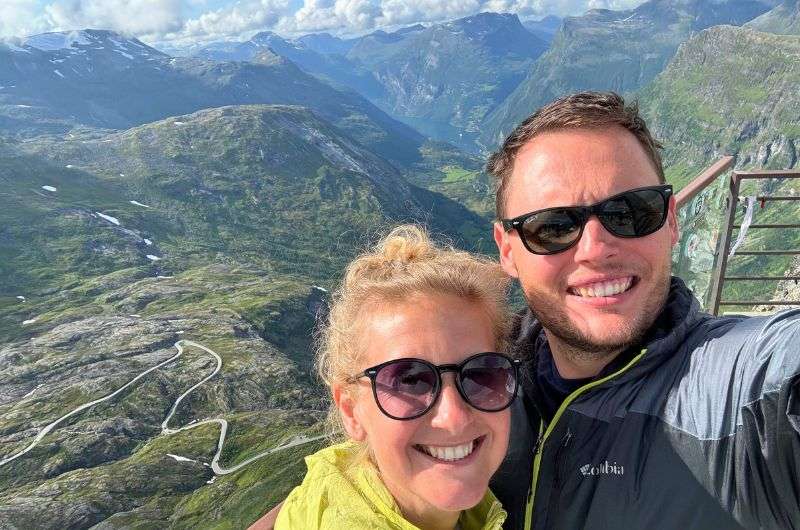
(337, 494)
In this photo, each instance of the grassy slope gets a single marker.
(249, 207)
(731, 91)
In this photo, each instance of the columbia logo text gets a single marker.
(606, 468)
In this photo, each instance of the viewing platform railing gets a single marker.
(722, 246)
(723, 254)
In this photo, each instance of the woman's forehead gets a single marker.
(436, 328)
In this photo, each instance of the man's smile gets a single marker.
(602, 288)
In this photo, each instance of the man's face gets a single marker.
(569, 291)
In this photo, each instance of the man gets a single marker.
(639, 411)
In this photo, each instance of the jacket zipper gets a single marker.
(559, 458)
(539, 448)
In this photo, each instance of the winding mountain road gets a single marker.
(165, 429)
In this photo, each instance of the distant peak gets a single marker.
(266, 36)
(60, 40)
(486, 20)
(410, 29)
(76, 39)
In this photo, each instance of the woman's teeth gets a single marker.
(449, 454)
(604, 288)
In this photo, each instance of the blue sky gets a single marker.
(182, 22)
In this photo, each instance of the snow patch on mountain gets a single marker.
(108, 218)
(179, 458)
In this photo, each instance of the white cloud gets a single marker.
(405, 12)
(233, 20)
(184, 22)
(228, 22)
(556, 7)
(136, 17)
(20, 18)
(350, 15)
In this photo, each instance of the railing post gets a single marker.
(721, 258)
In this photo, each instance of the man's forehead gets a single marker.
(578, 166)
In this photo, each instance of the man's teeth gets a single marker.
(604, 288)
(449, 453)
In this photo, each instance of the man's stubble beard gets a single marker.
(577, 346)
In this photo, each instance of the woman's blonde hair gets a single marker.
(404, 264)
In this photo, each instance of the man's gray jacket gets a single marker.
(699, 430)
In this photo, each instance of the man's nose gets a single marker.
(596, 243)
(451, 412)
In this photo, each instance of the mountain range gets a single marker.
(442, 79)
(98, 79)
(147, 199)
(784, 19)
(613, 50)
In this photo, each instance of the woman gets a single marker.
(418, 394)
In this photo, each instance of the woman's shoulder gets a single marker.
(339, 491)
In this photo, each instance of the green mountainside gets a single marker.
(784, 19)
(271, 186)
(216, 227)
(611, 50)
(443, 80)
(729, 90)
(732, 90)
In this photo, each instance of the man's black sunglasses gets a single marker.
(633, 213)
(407, 388)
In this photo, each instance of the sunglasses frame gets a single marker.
(584, 214)
(439, 369)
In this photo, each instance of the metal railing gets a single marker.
(702, 181)
(723, 251)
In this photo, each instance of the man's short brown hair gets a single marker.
(584, 110)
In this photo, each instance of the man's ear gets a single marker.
(672, 221)
(503, 241)
(346, 404)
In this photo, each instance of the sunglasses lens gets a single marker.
(406, 388)
(552, 230)
(489, 382)
(634, 214)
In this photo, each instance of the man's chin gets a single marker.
(597, 338)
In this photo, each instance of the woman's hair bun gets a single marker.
(405, 244)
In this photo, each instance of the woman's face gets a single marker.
(442, 329)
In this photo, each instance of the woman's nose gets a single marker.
(451, 412)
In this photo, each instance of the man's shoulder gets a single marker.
(737, 334)
(731, 362)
